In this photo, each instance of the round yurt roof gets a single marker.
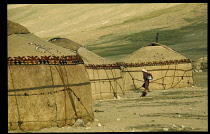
(152, 52)
(15, 28)
(66, 43)
(92, 58)
(29, 44)
(88, 56)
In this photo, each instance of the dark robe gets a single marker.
(146, 81)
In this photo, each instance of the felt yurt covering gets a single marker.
(47, 85)
(105, 75)
(169, 68)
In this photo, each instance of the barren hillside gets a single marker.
(114, 30)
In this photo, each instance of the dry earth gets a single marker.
(183, 109)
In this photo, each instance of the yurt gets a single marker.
(105, 75)
(47, 85)
(169, 68)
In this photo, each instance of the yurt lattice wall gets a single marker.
(169, 68)
(167, 74)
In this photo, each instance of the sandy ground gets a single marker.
(183, 109)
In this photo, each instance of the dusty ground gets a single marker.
(183, 109)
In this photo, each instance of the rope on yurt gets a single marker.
(94, 79)
(93, 74)
(180, 79)
(65, 88)
(117, 82)
(69, 89)
(64, 92)
(105, 72)
(132, 78)
(54, 91)
(115, 86)
(143, 81)
(174, 75)
(111, 86)
(114, 90)
(122, 88)
(99, 84)
(181, 76)
(164, 77)
(18, 110)
(164, 85)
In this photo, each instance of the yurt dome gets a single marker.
(153, 52)
(15, 28)
(105, 75)
(88, 56)
(47, 85)
(64, 42)
(169, 68)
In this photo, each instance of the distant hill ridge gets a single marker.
(115, 30)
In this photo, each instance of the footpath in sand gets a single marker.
(183, 109)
